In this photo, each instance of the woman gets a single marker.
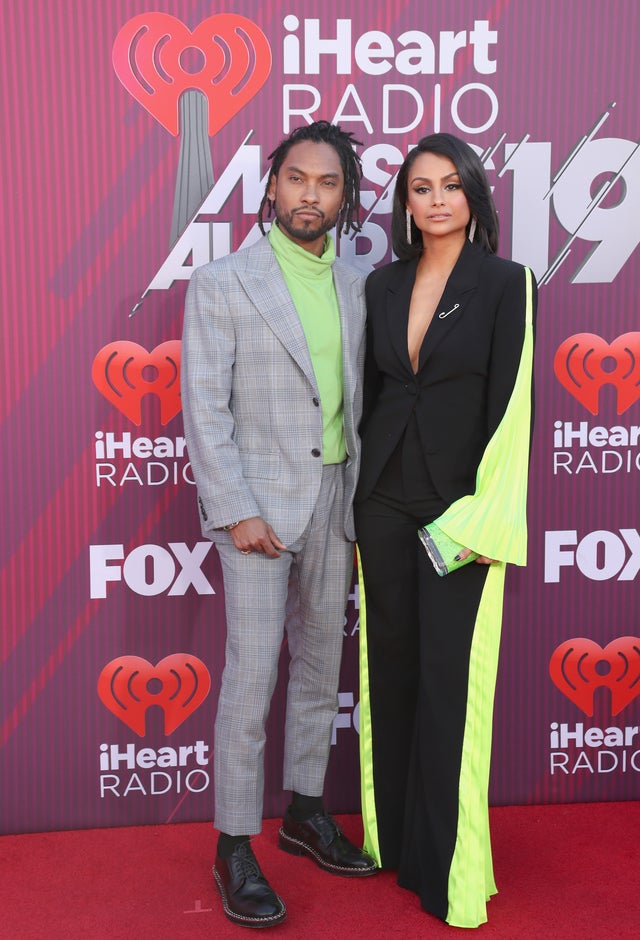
(445, 436)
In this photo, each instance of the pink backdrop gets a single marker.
(113, 189)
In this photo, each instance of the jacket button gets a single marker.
(316, 402)
(315, 452)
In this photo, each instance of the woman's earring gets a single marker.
(472, 228)
(408, 227)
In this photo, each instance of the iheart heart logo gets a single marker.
(125, 372)
(580, 666)
(129, 685)
(585, 362)
(226, 57)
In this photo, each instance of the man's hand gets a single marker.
(255, 535)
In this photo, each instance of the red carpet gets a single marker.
(566, 871)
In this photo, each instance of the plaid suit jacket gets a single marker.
(252, 417)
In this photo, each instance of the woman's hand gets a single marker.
(480, 560)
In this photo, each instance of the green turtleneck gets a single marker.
(310, 282)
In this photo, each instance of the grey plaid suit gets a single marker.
(253, 424)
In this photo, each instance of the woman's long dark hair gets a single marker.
(475, 186)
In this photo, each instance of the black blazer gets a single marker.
(467, 367)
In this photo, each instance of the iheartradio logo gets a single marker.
(124, 372)
(584, 363)
(178, 684)
(579, 667)
(226, 57)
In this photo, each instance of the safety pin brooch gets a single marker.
(446, 313)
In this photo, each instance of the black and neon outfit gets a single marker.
(450, 442)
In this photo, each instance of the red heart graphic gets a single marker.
(123, 687)
(574, 664)
(150, 52)
(117, 373)
(579, 366)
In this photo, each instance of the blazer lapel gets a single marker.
(348, 292)
(459, 290)
(266, 287)
(397, 301)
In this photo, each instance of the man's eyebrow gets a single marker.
(295, 169)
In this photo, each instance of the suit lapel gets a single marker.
(459, 290)
(347, 284)
(266, 287)
(397, 301)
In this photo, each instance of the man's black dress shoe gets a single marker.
(321, 839)
(247, 897)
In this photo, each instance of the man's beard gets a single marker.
(305, 231)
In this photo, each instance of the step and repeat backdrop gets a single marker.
(136, 136)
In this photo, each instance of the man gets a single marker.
(273, 349)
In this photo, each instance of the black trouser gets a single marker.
(419, 633)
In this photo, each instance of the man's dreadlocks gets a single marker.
(322, 132)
